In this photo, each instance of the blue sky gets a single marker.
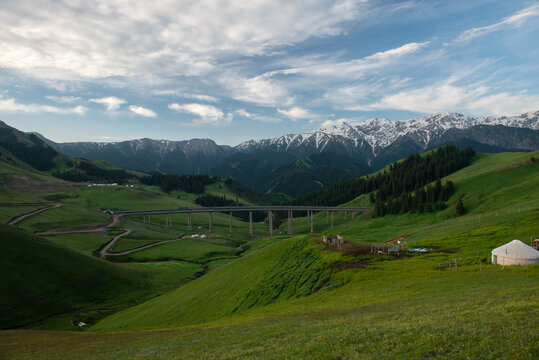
(238, 70)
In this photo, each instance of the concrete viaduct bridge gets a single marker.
(232, 209)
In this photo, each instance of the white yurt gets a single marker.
(515, 253)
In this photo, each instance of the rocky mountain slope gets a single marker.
(271, 164)
(372, 136)
(196, 156)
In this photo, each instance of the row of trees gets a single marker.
(212, 200)
(208, 200)
(430, 199)
(188, 183)
(86, 171)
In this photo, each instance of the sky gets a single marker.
(237, 70)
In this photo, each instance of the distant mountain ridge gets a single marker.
(377, 134)
(196, 156)
(272, 164)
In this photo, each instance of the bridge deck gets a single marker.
(187, 210)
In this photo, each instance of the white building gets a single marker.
(515, 253)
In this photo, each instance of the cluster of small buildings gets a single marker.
(333, 240)
(105, 185)
(194, 236)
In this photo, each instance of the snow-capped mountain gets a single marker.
(378, 134)
(184, 157)
(374, 142)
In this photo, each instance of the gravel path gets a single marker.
(22, 217)
(140, 248)
(104, 252)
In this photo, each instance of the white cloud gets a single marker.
(207, 114)
(257, 117)
(243, 113)
(257, 90)
(473, 99)
(504, 104)
(111, 103)
(112, 138)
(131, 38)
(355, 68)
(201, 97)
(296, 113)
(139, 110)
(515, 20)
(11, 105)
(63, 99)
(267, 119)
(178, 93)
(330, 123)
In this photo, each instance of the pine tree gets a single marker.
(459, 207)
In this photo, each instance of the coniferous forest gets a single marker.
(188, 183)
(86, 171)
(208, 200)
(401, 187)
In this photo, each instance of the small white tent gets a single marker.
(515, 253)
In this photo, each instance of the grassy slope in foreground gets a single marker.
(41, 279)
(290, 268)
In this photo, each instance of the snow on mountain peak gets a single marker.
(379, 133)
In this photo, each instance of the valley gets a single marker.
(243, 296)
(270, 179)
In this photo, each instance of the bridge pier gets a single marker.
(312, 221)
(290, 223)
(251, 223)
(309, 210)
(270, 222)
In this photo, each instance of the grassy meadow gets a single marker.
(288, 297)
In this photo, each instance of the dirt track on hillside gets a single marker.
(24, 216)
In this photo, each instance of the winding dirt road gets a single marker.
(140, 248)
(24, 216)
(104, 252)
(102, 229)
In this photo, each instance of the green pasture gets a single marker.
(8, 213)
(84, 243)
(168, 275)
(289, 297)
(196, 250)
(62, 280)
(64, 217)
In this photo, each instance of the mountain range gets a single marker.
(282, 163)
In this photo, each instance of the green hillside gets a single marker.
(293, 297)
(41, 279)
(482, 236)
(309, 174)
